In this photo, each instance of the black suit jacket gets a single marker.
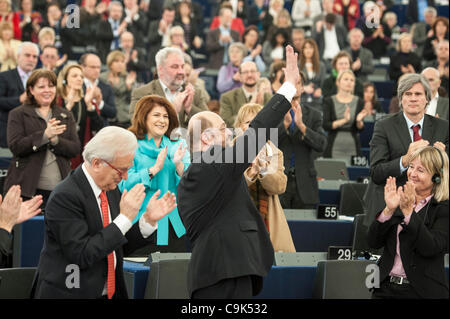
(390, 141)
(74, 235)
(303, 147)
(104, 37)
(109, 107)
(423, 244)
(227, 234)
(412, 13)
(11, 88)
(215, 50)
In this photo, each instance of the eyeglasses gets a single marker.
(121, 172)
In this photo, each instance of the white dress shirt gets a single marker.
(432, 106)
(121, 221)
(331, 43)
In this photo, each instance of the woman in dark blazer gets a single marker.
(343, 116)
(413, 230)
(42, 138)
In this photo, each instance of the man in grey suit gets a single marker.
(231, 102)
(171, 84)
(438, 105)
(397, 137)
(362, 64)
(421, 31)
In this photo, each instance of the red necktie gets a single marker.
(111, 279)
(416, 135)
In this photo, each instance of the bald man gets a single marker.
(438, 106)
(231, 249)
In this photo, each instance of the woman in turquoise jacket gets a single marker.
(159, 163)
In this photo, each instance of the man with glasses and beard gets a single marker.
(231, 102)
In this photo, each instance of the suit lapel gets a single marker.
(428, 129)
(19, 80)
(442, 105)
(240, 100)
(402, 130)
(93, 212)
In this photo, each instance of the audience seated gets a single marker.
(137, 22)
(441, 63)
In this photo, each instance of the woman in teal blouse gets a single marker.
(159, 163)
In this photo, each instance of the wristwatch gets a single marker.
(150, 175)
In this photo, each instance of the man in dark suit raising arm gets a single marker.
(88, 222)
(231, 249)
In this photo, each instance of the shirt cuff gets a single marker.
(146, 228)
(402, 169)
(101, 105)
(287, 90)
(383, 218)
(123, 223)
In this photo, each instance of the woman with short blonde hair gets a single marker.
(266, 180)
(413, 229)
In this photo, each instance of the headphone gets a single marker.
(436, 179)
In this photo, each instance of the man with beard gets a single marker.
(231, 102)
(171, 84)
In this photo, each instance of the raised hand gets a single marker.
(407, 198)
(391, 197)
(131, 201)
(10, 208)
(158, 208)
(291, 72)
